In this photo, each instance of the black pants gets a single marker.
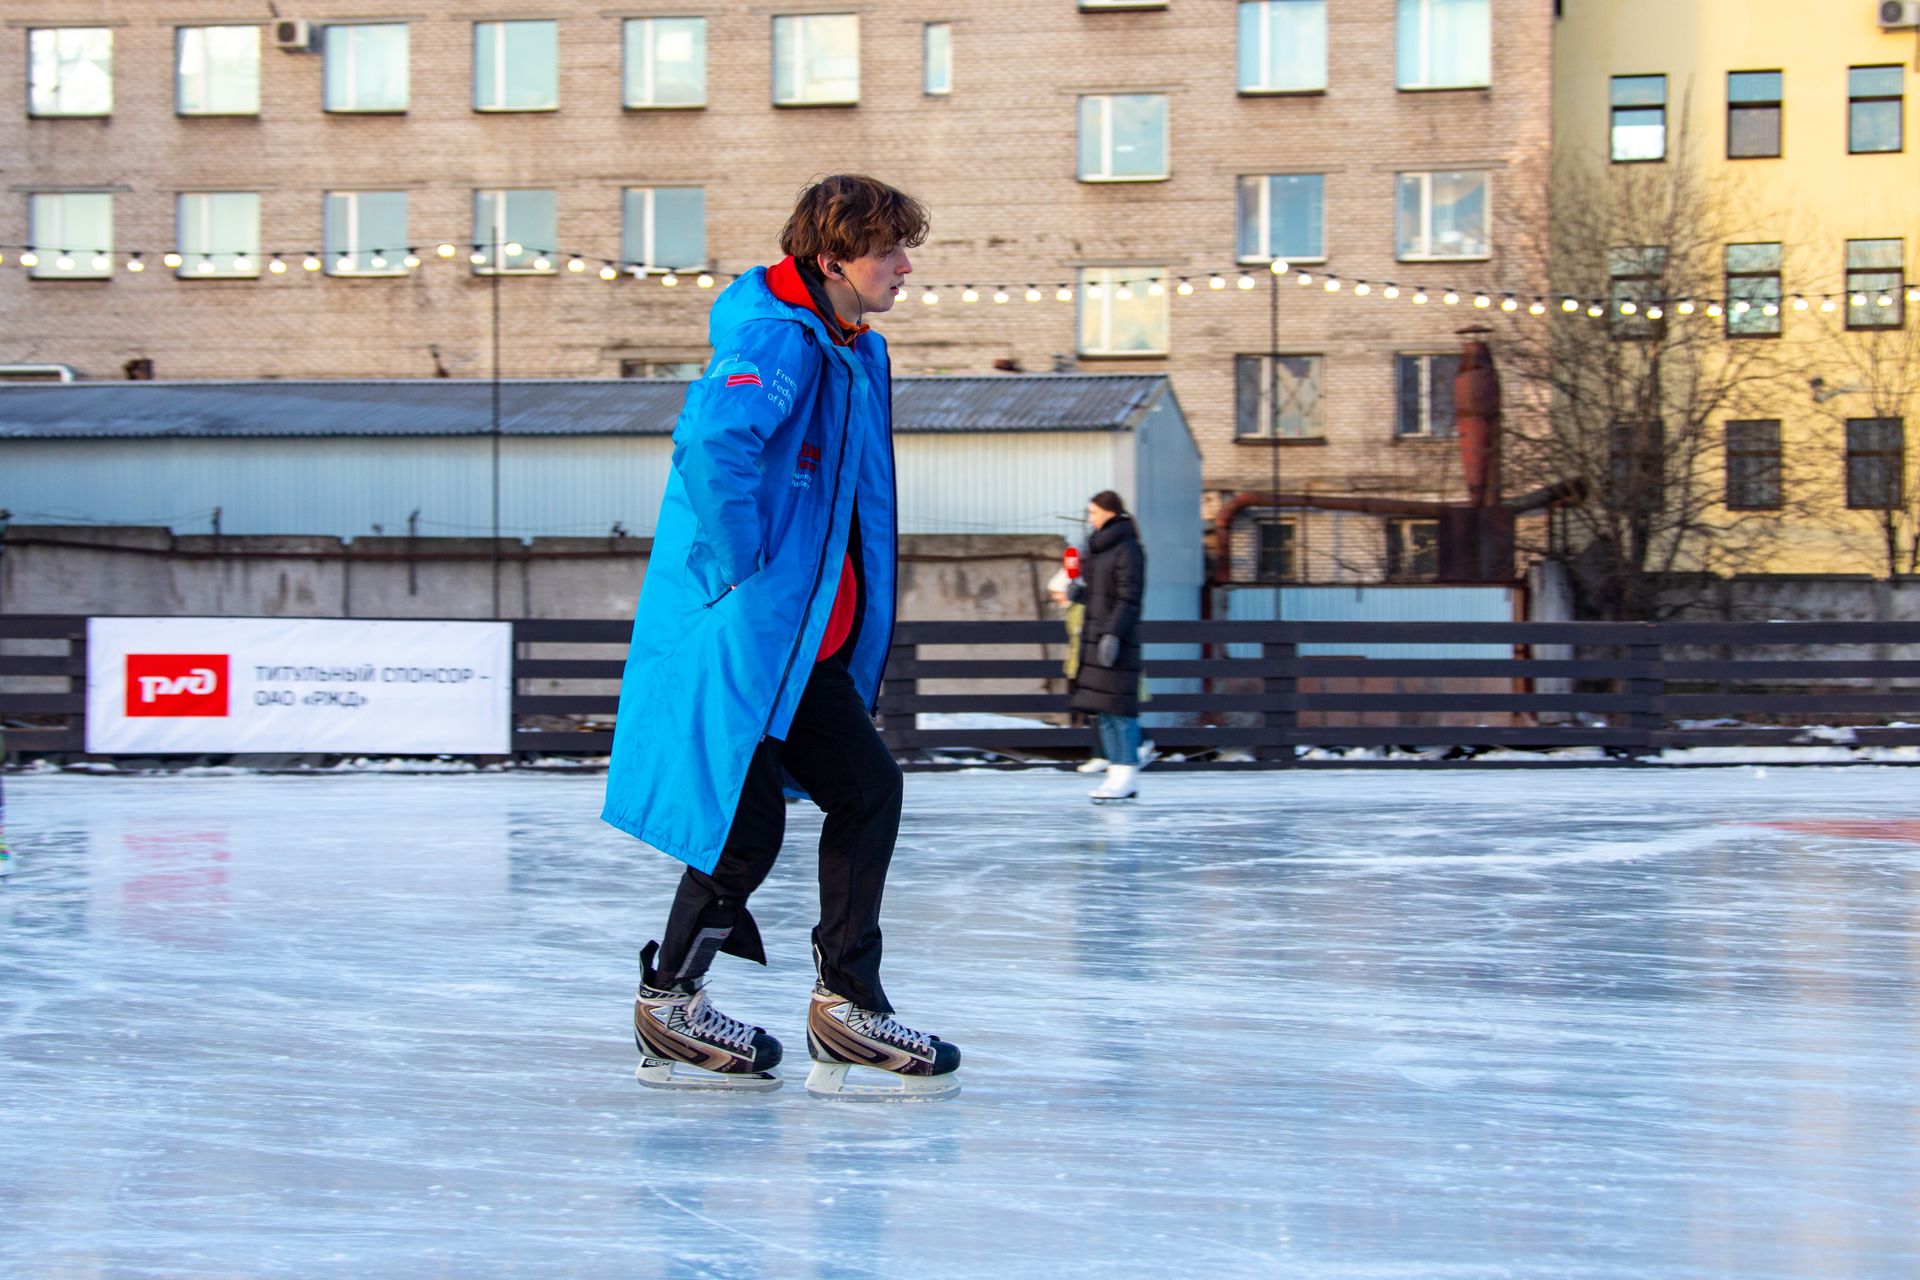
(834, 752)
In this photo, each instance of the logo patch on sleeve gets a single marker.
(735, 372)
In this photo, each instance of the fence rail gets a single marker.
(1633, 688)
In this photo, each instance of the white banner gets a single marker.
(321, 685)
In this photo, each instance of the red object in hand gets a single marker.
(1072, 560)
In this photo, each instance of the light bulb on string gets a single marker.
(1391, 291)
(1741, 307)
(576, 264)
(670, 281)
(172, 259)
(1361, 288)
(135, 265)
(1481, 301)
(477, 258)
(310, 263)
(411, 262)
(1656, 313)
(999, 296)
(63, 263)
(205, 266)
(1771, 309)
(542, 264)
(1419, 297)
(1032, 294)
(242, 263)
(1095, 291)
(704, 280)
(1509, 303)
(1827, 305)
(1629, 307)
(513, 248)
(608, 272)
(1913, 295)
(444, 250)
(1858, 299)
(29, 259)
(277, 267)
(1278, 266)
(1713, 309)
(1686, 306)
(1569, 305)
(1537, 308)
(1884, 300)
(1246, 281)
(1305, 277)
(1123, 294)
(1799, 303)
(1184, 288)
(1063, 294)
(1451, 298)
(1596, 311)
(1155, 289)
(378, 262)
(1333, 284)
(343, 264)
(969, 294)
(1216, 282)
(930, 298)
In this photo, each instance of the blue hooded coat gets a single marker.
(776, 445)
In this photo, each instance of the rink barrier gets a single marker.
(1630, 688)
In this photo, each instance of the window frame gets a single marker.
(650, 63)
(1424, 385)
(798, 22)
(1636, 279)
(1106, 101)
(1729, 275)
(180, 36)
(1403, 557)
(190, 259)
(331, 253)
(932, 58)
(48, 267)
(351, 53)
(1895, 476)
(502, 236)
(33, 112)
(1426, 216)
(1769, 455)
(1855, 100)
(1110, 280)
(1777, 105)
(1288, 551)
(1427, 85)
(1312, 416)
(1896, 290)
(498, 73)
(1266, 11)
(1614, 108)
(652, 230)
(1264, 251)
(646, 369)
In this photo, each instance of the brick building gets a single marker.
(1117, 147)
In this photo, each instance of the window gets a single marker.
(939, 51)
(516, 66)
(1875, 280)
(1637, 277)
(1753, 114)
(1753, 290)
(666, 62)
(662, 368)
(1274, 551)
(504, 221)
(1123, 137)
(1283, 215)
(367, 67)
(1874, 108)
(1639, 119)
(1283, 46)
(664, 227)
(72, 232)
(1278, 397)
(816, 59)
(1443, 215)
(1413, 550)
(1444, 44)
(1753, 465)
(1424, 391)
(1123, 311)
(70, 71)
(366, 233)
(1637, 466)
(1876, 462)
(217, 71)
(219, 234)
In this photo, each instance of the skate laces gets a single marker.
(708, 1022)
(882, 1026)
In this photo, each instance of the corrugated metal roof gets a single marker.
(528, 407)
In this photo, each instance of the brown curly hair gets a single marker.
(850, 216)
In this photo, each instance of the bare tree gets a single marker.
(1633, 376)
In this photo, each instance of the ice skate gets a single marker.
(1099, 764)
(1118, 786)
(686, 1043)
(913, 1066)
(1148, 754)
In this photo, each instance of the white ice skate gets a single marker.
(904, 1065)
(1148, 753)
(1118, 786)
(1099, 764)
(686, 1043)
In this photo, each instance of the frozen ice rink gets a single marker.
(1618, 1023)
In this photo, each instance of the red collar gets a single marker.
(783, 277)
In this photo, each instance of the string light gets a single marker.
(1184, 288)
(1361, 288)
(1913, 295)
(343, 265)
(1063, 293)
(1095, 291)
(1858, 300)
(1827, 306)
(1246, 281)
(542, 264)
(63, 263)
(411, 261)
(1569, 306)
(310, 263)
(971, 294)
(1537, 308)
(1883, 300)
(608, 272)
(1306, 277)
(1216, 282)
(999, 296)
(1155, 289)
(29, 259)
(1771, 309)
(1451, 299)
(1596, 311)
(378, 262)
(1278, 266)
(1509, 303)
(277, 267)
(576, 264)
(172, 259)
(670, 281)
(704, 280)
(1481, 301)
(1122, 294)
(205, 266)
(444, 250)
(1391, 291)
(1686, 306)
(1713, 309)
(1655, 313)
(930, 298)
(1628, 307)
(1799, 303)
(135, 265)
(1419, 297)
(513, 248)
(477, 258)
(1032, 294)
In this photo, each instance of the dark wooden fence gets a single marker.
(1635, 688)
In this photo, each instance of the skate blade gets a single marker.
(658, 1073)
(828, 1081)
(1114, 799)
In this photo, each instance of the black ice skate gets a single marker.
(914, 1066)
(686, 1043)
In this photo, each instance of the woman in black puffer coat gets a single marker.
(1112, 582)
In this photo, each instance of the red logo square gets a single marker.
(176, 684)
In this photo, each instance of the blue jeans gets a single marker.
(1120, 738)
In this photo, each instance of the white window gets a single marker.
(1444, 44)
(217, 71)
(1123, 137)
(367, 67)
(1123, 311)
(664, 228)
(1443, 215)
(516, 66)
(505, 221)
(1283, 215)
(939, 50)
(816, 59)
(219, 234)
(1278, 397)
(366, 233)
(70, 71)
(72, 233)
(1283, 46)
(666, 62)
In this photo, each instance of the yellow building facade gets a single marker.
(1793, 127)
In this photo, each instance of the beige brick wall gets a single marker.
(995, 161)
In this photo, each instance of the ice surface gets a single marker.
(1432, 1026)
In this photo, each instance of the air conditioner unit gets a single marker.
(294, 34)
(1899, 15)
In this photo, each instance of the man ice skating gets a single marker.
(762, 630)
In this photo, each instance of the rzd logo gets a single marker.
(176, 684)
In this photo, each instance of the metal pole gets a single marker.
(494, 542)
